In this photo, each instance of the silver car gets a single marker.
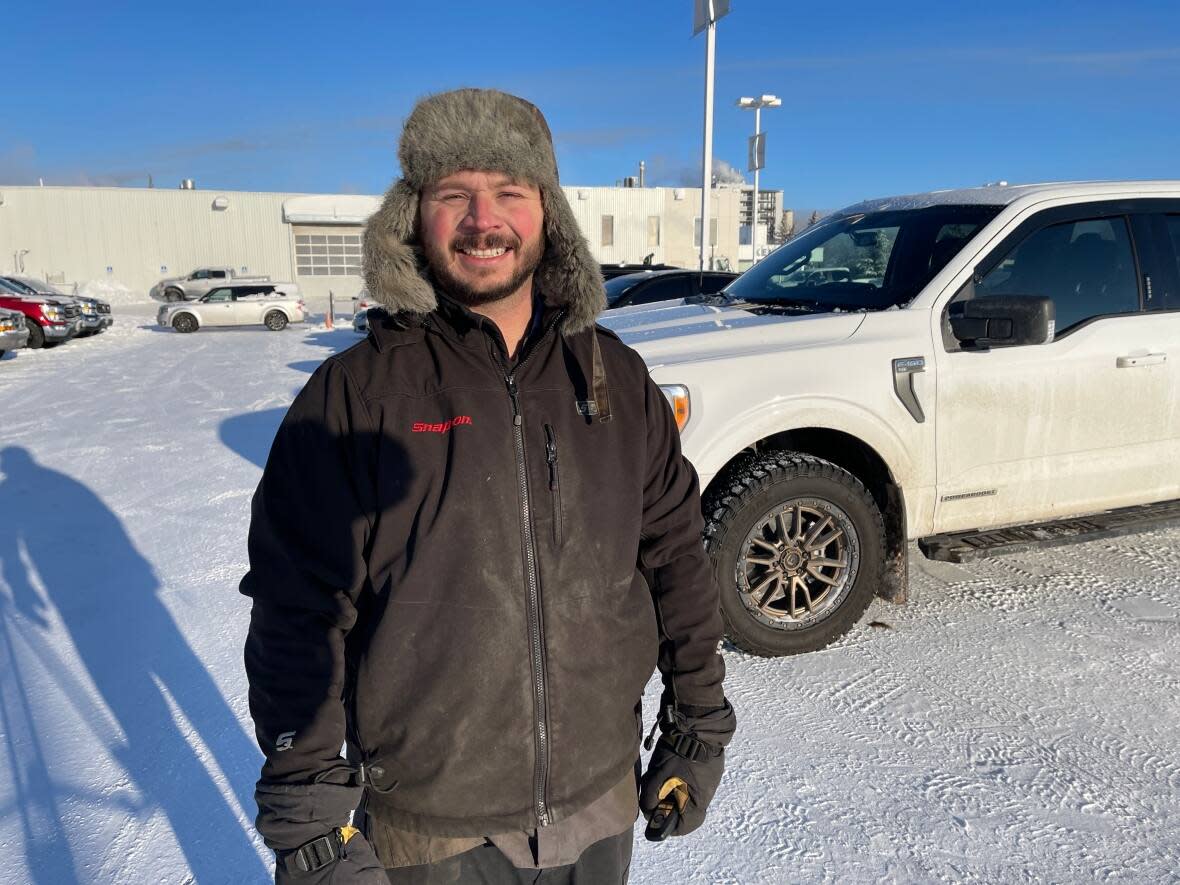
(14, 334)
(235, 305)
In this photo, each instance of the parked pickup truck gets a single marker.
(49, 319)
(993, 369)
(96, 313)
(197, 283)
(241, 304)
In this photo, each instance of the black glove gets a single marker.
(691, 748)
(304, 824)
(342, 857)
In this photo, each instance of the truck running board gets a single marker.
(966, 546)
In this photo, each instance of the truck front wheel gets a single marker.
(173, 295)
(798, 547)
(36, 335)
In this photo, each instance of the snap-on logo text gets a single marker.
(444, 427)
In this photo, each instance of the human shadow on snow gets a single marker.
(62, 548)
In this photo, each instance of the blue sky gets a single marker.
(878, 98)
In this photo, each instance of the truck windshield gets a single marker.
(870, 261)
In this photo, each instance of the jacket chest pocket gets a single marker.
(554, 482)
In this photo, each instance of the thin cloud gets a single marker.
(608, 136)
(1104, 59)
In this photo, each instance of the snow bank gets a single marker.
(118, 294)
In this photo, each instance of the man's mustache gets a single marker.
(486, 241)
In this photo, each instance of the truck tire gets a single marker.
(36, 336)
(173, 295)
(184, 323)
(798, 548)
(276, 321)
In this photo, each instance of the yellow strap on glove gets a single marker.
(347, 833)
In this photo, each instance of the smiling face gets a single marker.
(483, 235)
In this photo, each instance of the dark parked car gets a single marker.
(610, 271)
(664, 285)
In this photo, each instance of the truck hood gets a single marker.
(676, 331)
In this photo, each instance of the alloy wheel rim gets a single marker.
(798, 563)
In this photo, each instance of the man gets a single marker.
(474, 537)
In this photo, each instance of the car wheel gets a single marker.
(184, 322)
(36, 336)
(798, 547)
(276, 321)
(173, 295)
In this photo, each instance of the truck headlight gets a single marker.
(678, 399)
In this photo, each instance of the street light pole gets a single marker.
(705, 16)
(707, 183)
(757, 104)
(757, 169)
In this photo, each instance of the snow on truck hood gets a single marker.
(675, 331)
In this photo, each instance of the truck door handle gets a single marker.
(1143, 359)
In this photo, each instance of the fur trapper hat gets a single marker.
(485, 130)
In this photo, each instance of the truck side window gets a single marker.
(1171, 299)
(1086, 267)
(662, 289)
(217, 274)
(200, 275)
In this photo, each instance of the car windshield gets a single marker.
(18, 285)
(868, 261)
(617, 287)
(42, 287)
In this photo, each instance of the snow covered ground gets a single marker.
(1017, 721)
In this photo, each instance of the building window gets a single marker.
(608, 230)
(328, 255)
(696, 232)
(653, 230)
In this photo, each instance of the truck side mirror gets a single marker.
(1002, 321)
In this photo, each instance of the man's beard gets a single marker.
(470, 293)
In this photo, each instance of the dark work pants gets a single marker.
(603, 863)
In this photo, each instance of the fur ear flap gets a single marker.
(568, 274)
(393, 262)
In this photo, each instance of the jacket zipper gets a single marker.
(535, 624)
(554, 486)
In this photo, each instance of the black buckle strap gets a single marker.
(689, 747)
(316, 854)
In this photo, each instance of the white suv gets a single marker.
(988, 366)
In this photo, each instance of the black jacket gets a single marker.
(445, 563)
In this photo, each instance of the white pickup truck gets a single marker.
(195, 284)
(992, 369)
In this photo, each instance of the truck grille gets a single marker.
(104, 308)
(71, 311)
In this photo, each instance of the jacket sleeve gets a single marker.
(672, 555)
(309, 528)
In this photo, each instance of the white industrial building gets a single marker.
(135, 236)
